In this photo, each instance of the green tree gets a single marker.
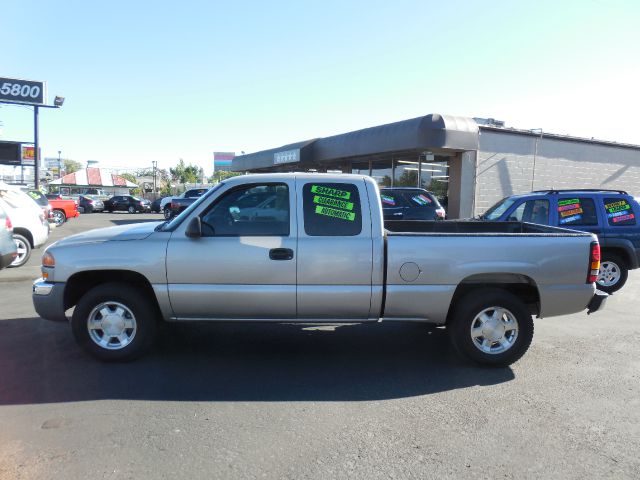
(182, 173)
(145, 172)
(132, 179)
(409, 178)
(70, 166)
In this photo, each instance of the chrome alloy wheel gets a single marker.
(112, 325)
(494, 330)
(22, 250)
(609, 274)
(58, 217)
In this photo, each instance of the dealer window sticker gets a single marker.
(334, 204)
(387, 200)
(570, 210)
(619, 212)
(331, 192)
(421, 199)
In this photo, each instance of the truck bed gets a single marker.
(470, 227)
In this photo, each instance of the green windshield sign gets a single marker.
(332, 212)
(331, 192)
(333, 202)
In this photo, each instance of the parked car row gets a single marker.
(127, 203)
(27, 222)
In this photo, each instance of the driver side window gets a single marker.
(251, 210)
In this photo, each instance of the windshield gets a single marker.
(498, 209)
(173, 223)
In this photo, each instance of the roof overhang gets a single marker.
(430, 132)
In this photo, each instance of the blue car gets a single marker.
(611, 214)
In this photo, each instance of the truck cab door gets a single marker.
(335, 250)
(243, 266)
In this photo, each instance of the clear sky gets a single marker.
(163, 80)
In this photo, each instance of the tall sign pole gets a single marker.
(28, 92)
(36, 145)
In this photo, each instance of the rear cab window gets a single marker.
(331, 209)
(619, 212)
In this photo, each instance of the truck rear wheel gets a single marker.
(59, 217)
(613, 273)
(491, 327)
(114, 322)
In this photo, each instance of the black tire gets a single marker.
(616, 267)
(464, 317)
(23, 245)
(145, 316)
(167, 213)
(59, 217)
(132, 209)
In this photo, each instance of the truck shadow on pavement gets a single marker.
(40, 363)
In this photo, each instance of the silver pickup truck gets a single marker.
(313, 248)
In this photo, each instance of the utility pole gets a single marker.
(59, 165)
(155, 166)
(36, 145)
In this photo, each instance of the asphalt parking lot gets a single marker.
(267, 401)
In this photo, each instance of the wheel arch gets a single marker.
(25, 233)
(81, 282)
(521, 286)
(623, 253)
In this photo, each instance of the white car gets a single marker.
(30, 227)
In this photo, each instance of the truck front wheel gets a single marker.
(167, 213)
(114, 322)
(491, 327)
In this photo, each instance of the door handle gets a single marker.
(398, 213)
(280, 254)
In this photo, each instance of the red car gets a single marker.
(62, 209)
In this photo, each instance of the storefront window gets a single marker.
(361, 168)
(406, 173)
(434, 176)
(382, 172)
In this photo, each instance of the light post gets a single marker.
(59, 165)
(155, 166)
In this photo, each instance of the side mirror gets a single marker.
(194, 228)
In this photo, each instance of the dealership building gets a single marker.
(469, 163)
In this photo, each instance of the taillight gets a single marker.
(440, 212)
(7, 223)
(594, 262)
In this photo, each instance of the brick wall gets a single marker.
(505, 166)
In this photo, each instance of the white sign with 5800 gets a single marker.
(18, 90)
(13, 90)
